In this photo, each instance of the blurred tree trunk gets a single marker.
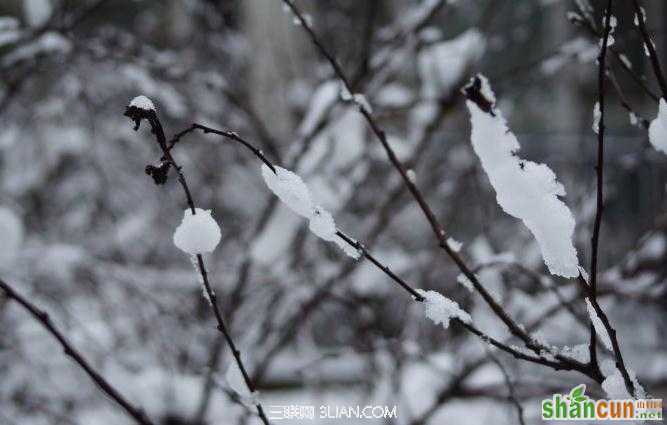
(277, 59)
(179, 23)
(570, 104)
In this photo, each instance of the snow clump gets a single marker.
(441, 309)
(524, 189)
(198, 233)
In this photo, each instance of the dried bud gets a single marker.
(159, 173)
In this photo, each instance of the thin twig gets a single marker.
(623, 100)
(558, 363)
(435, 225)
(137, 115)
(510, 388)
(43, 318)
(588, 24)
(620, 363)
(231, 135)
(599, 168)
(653, 55)
(390, 204)
(592, 289)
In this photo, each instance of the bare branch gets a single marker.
(436, 226)
(600, 209)
(653, 55)
(137, 114)
(510, 387)
(43, 318)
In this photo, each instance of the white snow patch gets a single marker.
(358, 98)
(441, 309)
(348, 249)
(290, 189)
(463, 280)
(198, 233)
(579, 48)
(614, 384)
(322, 224)
(525, 189)
(636, 18)
(454, 244)
(37, 12)
(596, 117)
(441, 66)
(624, 59)
(294, 193)
(394, 95)
(600, 330)
(579, 352)
(584, 274)
(9, 32)
(633, 118)
(657, 131)
(324, 98)
(142, 102)
(200, 279)
(8, 23)
(48, 43)
(647, 51)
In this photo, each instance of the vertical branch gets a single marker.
(599, 168)
(593, 350)
(512, 397)
(592, 290)
(69, 350)
(653, 55)
(137, 114)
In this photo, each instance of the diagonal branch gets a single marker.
(44, 319)
(231, 135)
(653, 55)
(556, 362)
(436, 226)
(587, 22)
(510, 388)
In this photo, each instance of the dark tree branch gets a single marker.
(231, 135)
(599, 168)
(559, 363)
(474, 94)
(224, 133)
(512, 397)
(436, 227)
(653, 55)
(391, 204)
(592, 290)
(620, 363)
(623, 100)
(588, 24)
(137, 114)
(43, 318)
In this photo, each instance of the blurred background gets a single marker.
(88, 236)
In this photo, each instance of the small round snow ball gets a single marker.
(142, 102)
(198, 233)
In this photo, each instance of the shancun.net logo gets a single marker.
(577, 406)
